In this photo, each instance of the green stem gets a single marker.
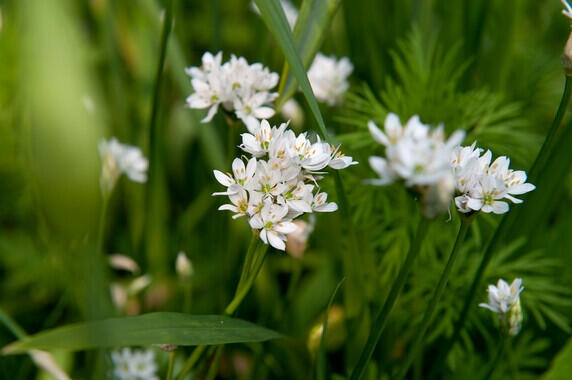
(495, 362)
(171, 365)
(252, 264)
(541, 158)
(381, 319)
(428, 316)
(11, 325)
(507, 220)
(153, 189)
(216, 363)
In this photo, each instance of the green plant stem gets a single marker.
(216, 362)
(497, 359)
(252, 264)
(11, 325)
(153, 189)
(413, 352)
(171, 365)
(381, 319)
(541, 158)
(507, 220)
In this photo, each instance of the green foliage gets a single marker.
(147, 329)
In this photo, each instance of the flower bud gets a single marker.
(437, 198)
(336, 331)
(515, 318)
(291, 110)
(183, 266)
(123, 262)
(298, 240)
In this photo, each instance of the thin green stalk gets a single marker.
(11, 325)
(171, 365)
(381, 319)
(540, 160)
(507, 220)
(152, 193)
(252, 264)
(415, 349)
(216, 363)
(497, 359)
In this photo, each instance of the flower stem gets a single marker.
(428, 316)
(252, 264)
(497, 359)
(171, 364)
(381, 319)
(154, 197)
(216, 363)
(502, 228)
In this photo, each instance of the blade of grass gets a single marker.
(312, 24)
(155, 197)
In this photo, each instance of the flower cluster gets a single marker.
(236, 85)
(504, 300)
(418, 155)
(121, 159)
(134, 365)
(328, 78)
(483, 185)
(280, 181)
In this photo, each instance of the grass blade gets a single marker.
(313, 22)
(321, 358)
(273, 15)
(154, 328)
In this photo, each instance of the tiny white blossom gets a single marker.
(328, 78)
(121, 159)
(134, 365)
(273, 226)
(420, 156)
(504, 300)
(483, 186)
(184, 266)
(568, 11)
(235, 85)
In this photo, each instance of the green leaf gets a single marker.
(313, 22)
(154, 328)
(561, 367)
(273, 15)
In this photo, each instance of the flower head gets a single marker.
(235, 85)
(419, 155)
(482, 186)
(504, 300)
(329, 78)
(134, 365)
(121, 159)
(281, 183)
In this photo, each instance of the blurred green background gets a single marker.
(73, 72)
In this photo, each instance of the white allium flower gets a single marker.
(280, 182)
(134, 365)
(121, 159)
(568, 11)
(504, 300)
(291, 110)
(418, 155)
(290, 11)
(483, 186)
(329, 78)
(235, 85)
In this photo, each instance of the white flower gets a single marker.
(273, 226)
(420, 156)
(234, 85)
(134, 365)
(568, 11)
(291, 110)
(504, 300)
(121, 159)
(328, 78)
(279, 184)
(482, 186)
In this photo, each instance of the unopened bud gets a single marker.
(183, 266)
(291, 110)
(515, 318)
(298, 240)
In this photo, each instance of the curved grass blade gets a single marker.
(274, 18)
(313, 22)
(154, 328)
